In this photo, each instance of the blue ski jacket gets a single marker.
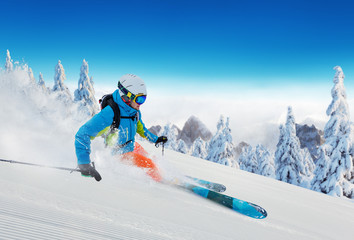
(126, 131)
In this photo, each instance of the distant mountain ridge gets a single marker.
(311, 138)
(192, 129)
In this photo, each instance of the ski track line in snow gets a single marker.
(19, 221)
(27, 194)
(213, 207)
(264, 224)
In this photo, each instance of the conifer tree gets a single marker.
(8, 64)
(290, 159)
(199, 148)
(85, 93)
(59, 87)
(334, 172)
(265, 161)
(31, 76)
(41, 84)
(92, 83)
(182, 147)
(258, 160)
(221, 147)
(59, 78)
(248, 160)
(170, 132)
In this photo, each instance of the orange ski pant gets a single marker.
(139, 158)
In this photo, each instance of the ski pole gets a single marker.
(163, 149)
(39, 165)
(94, 174)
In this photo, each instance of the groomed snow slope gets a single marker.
(41, 203)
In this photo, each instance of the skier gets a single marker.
(129, 96)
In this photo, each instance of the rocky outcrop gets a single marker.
(193, 129)
(311, 138)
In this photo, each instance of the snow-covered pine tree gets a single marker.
(92, 83)
(309, 165)
(85, 94)
(59, 87)
(182, 147)
(199, 148)
(221, 147)
(85, 88)
(41, 84)
(8, 64)
(248, 160)
(265, 161)
(170, 131)
(334, 172)
(258, 160)
(31, 76)
(290, 159)
(59, 78)
(220, 124)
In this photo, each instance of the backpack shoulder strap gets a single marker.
(108, 100)
(114, 106)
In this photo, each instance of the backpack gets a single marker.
(108, 100)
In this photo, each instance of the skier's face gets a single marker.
(134, 105)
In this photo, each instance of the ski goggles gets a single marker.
(139, 98)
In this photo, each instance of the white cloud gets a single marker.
(255, 113)
(253, 121)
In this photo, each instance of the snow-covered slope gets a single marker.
(41, 203)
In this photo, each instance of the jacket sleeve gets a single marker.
(143, 132)
(90, 129)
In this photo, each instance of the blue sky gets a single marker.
(261, 44)
(248, 60)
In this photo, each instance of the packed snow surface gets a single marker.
(43, 203)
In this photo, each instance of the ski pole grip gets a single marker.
(97, 176)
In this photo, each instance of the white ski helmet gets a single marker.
(133, 84)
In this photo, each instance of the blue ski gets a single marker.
(217, 187)
(240, 206)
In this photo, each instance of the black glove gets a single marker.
(161, 139)
(88, 170)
